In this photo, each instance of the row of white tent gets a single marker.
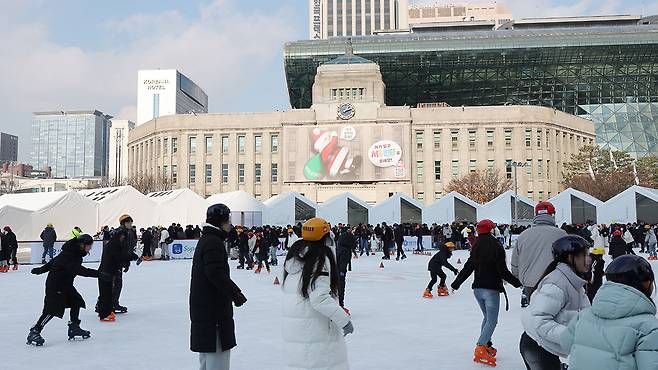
(28, 214)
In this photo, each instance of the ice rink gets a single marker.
(394, 327)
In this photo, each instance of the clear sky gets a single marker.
(82, 54)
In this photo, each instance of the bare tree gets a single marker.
(481, 187)
(647, 171)
(144, 183)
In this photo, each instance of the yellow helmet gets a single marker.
(49, 225)
(125, 218)
(600, 251)
(647, 227)
(315, 229)
(450, 244)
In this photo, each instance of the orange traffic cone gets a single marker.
(381, 265)
(459, 261)
(276, 281)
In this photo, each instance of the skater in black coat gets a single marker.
(594, 275)
(388, 239)
(435, 265)
(60, 292)
(114, 260)
(344, 248)
(147, 240)
(399, 241)
(212, 293)
(617, 245)
(11, 245)
(243, 248)
(262, 251)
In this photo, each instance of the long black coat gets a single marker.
(344, 247)
(62, 270)
(116, 255)
(212, 293)
(617, 247)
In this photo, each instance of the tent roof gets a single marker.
(237, 200)
(451, 196)
(508, 194)
(399, 196)
(647, 192)
(344, 197)
(578, 194)
(106, 194)
(35, 201)
(169, 195)
(287, 195)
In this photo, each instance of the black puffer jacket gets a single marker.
(441, 259)
(62, 270)
(487, 260)
(212, 293)
(344, 247)
(617, 247)
(116, 254)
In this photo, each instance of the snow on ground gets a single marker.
(394, 327)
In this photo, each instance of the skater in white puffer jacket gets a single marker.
(313, 323)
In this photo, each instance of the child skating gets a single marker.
(435, 265)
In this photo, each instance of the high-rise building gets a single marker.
(163, 92)
(491, 15)
(8, 147)
(328, 18)
(602, 68)
(72, 143)
(118, 149)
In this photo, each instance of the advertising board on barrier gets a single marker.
(36, 251)
(182, 249)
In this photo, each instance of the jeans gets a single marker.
(652, 249)
(50, 250)
(164, 250)
(364, 245)
(419, 243)
(489, 301)
(535, 357)
(218, 360)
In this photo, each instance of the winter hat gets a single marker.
(544, 208)
(485, 226)
(616, 233)
(125, 218)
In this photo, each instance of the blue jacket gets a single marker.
(619, 332)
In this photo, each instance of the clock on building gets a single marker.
(346, 111)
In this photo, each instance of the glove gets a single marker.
(35, 271)
(125, 269)
(139, 260)
(104, 276)
(239, 299)
(454, 286)
(348, 329)
(456, 272)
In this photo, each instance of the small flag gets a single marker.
(637, 180)
(612, 158)
(591, 172)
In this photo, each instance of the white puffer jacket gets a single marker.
(312, 327)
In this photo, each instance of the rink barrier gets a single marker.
(36, 251)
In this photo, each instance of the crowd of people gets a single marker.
(572, 305)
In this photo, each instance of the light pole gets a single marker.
(515, 165)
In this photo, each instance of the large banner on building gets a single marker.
(347, 153)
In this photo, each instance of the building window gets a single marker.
(541, 195)
(257, 173)
(437, 195)
(539, 134)
(437, 139)
(547, 136)
(274, 143)
(508, 168)
(209, 174)
(156, 105)
(241, 143)
(174, 145)
(164, 171)
(174, 173)
(472, 165)
(530, 194)
(454, 137)
(208, 145)
(157, 148)
(258, 143)
(275, 172)
(224, 173)
(192, 174)
(471, 139)
(225, 144)
(419, 171)
(548, 170)
(419, 140)
(508, 138)
(490, 138)
(437, 170)
(528, 167)
(421, 197)
(528, 138)
(455, 168)
(241, 173)
(490, 165)
(165, 148)
(192, 144)
(540, 168)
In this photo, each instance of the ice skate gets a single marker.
(481, 355)
(120, 309)
(43, 261)
(268, 270)
(15, 268)
(76, 331)
(442, 291)
(490, 348)
(427, 294)
(240, 267)
(35, 337)
(257, 271)
(404, 256)
(110, 318)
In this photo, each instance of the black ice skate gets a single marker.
(120, 309)
(35, 337)
(75, 331)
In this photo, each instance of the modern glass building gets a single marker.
(73, 143)
(602, 68)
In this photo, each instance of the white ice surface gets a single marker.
(394, 327)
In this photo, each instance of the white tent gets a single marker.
(399, 208)
(575, 207)
(289, 208)
(634, 204)
(245, 209)
(452, 207)
(344, 208)
(182, 206)
(501, 209)
(113, 202)
(28, 213)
